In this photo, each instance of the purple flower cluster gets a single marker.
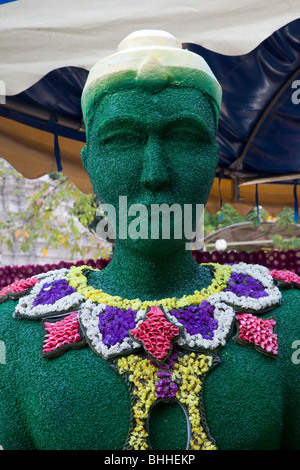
(198, 319)
(114, 324)
(243, 285)
(165, 387)
(53, 291)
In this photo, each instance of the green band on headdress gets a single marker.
(151, 60)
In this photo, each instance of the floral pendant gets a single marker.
(180, 378)
(164, 374)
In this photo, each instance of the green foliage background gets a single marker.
(41, 219)
(57, 213)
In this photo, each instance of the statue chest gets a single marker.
(77, 401)
(149, 375)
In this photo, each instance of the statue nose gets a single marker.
(155, 173)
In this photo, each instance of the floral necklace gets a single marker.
(78, 280)
(163, 349)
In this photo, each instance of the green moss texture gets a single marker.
(77, 401)
(154, 148)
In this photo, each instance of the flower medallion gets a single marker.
(107, 328)
(256, 332)
(156, 334)
(62, 335)
(51, 296)
(17, 288)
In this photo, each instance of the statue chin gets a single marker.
(153, 248)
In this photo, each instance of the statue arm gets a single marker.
(291, 433)
(13, 434)
(289, 366)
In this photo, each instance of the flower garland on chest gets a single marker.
(163, 348)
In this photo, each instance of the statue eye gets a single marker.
(188, 135)
(122, 138)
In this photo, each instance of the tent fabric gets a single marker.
(273, 197)
(245, 234)
(259, 123)
(41, 127)
(38, 37)
(30, 151)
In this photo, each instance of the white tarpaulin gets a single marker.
(37, 36)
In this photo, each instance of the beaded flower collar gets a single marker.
(78, 280)
(164, 349)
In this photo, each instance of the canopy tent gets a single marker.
(247, 236)
(47, 48)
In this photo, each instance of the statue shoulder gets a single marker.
(287, 319)
(43, 297)
(9, 297)
(288, 283)
(46, 295)
(266, 305)
(24, 298)
(9, 300)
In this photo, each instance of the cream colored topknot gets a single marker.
(149, 38)
(153, 60)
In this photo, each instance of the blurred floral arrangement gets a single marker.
(279, 260)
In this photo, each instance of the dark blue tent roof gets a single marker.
(259, 128)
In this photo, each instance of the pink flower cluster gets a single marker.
(156, 333)
(61, 333)
(285, 276)
(258, 331)
(18, 286)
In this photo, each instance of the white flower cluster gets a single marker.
(224, 303)
(261, 273)
(89, 321)
(224, 315)
(25, 308)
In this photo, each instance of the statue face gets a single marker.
(153, 148)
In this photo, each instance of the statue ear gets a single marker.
(84, 155)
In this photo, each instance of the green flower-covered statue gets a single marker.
(154, 351)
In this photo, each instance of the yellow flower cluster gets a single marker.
(78, 280)
(143, 375)
(187, 372)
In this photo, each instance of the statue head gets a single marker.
(151, 114)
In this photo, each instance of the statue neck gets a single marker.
(132, 275)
